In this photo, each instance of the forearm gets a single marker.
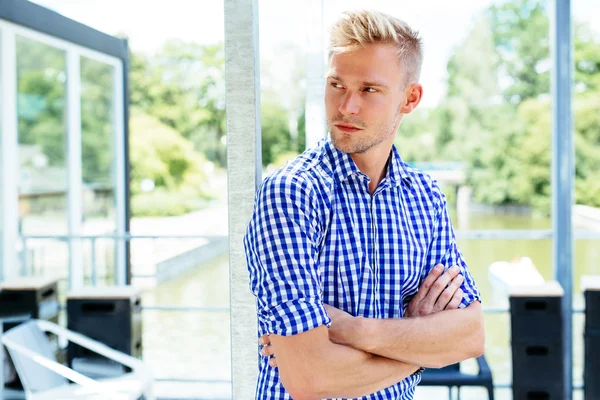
(349, 373)
(433, 341)
(312, 367)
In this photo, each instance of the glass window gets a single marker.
(41, 75)
(98, 165)
(42, 179)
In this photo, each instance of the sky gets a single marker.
(443, 24)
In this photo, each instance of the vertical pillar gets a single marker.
(9, 151)
(315, 75)
(121, 146)
(242, 72)
(74, 165)
(563, 173)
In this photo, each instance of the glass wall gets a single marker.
(98, 168)
(41, 105)
(42, 138)
(68, 102)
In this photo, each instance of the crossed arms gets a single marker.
(355, 356)
(358, 356)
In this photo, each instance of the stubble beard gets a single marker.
(361, 141)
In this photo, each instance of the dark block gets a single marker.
(538, 392)
(537, 342)
(35, 296)
(591, 364)
(109, 315)
(591, 370)
(538, 361)
(533, 317)
(592, 309)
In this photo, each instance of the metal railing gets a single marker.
(517, 234)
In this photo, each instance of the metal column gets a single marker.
(563, 172)
(242, 72)
(9, 151)
(315, 75)
(74, 165)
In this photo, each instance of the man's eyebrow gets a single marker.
(375, 83)
(365, 83)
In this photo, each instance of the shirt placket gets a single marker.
(373, 254)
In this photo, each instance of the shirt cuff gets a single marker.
(469, 298)
(297, 316)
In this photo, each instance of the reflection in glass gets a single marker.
(98, 164)
(41, 80)
(42, 179)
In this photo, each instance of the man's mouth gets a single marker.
(348, 128)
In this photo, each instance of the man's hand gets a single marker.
(342, 324)
(433, 295)
(267, 350)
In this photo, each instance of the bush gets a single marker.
(161, 203)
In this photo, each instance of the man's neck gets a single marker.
(374, 164)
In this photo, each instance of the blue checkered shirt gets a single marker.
(318, 236)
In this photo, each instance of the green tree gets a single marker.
(164, 156)
(97, 132)
(497, 111)
(520, 31)
(41, 85)
(183, 86)
(275, 132)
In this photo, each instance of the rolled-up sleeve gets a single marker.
(444, 250)
(281, 246)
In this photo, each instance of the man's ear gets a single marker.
(414, 94)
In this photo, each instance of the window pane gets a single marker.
(42, 179)
(98, 165)
(41, 75)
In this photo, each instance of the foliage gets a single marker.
(496, 115)
(275, 132)
(163, 156)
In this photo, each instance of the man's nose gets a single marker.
(350, 104)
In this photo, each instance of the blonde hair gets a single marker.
(356, 29)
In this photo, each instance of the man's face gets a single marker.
(363, 97)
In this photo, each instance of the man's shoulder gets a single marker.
(423, 184)
(301, 173)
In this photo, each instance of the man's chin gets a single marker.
(346, 146)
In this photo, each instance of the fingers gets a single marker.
(448, 294)
(264, 340)
(433, 275)
(456, 300)
(267, 351)
(440, 285)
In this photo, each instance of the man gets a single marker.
(343, 236)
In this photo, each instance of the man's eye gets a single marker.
(336, 85)
(369, 90)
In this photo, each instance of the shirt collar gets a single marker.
(343, 166)
(397, 170)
